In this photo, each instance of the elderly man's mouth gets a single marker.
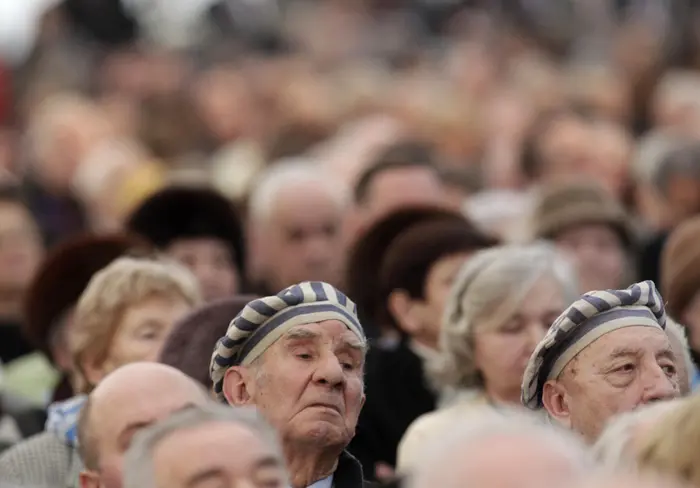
(325, 406)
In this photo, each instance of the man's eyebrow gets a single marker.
(213, 473)
(301, 334)
(355, 345)
(622, 352)
(668, 353)
(268, 462)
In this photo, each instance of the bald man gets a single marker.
(126, 401)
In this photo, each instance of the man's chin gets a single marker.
(325, 432)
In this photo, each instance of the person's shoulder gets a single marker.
(38, 459)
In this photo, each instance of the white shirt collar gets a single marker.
(324, 483)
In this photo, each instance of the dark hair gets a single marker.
(366, 256)
(412, 253)
(189, 346)
(683, 161)
(399, 156)
(182, 212)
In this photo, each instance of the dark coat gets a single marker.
(397, 394)
(348, 474)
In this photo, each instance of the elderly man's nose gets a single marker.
(330, 372)
(659, 387)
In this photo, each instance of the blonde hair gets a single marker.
(489, 289)
(124, 283)
(670, 446)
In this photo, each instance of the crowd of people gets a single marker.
(351, 244)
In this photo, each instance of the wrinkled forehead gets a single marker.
(327, 332)
(626, 342)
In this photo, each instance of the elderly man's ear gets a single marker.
(237, 386)
(556, 402)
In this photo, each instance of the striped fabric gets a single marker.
(593, 315)
(263, 321)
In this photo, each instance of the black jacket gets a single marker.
(397, 394)
(348, 474)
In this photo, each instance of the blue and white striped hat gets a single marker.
(263, 321)
(590, 317)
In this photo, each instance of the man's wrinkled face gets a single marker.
(308, 385)
(617, 373)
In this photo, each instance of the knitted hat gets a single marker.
(565, 205)
(183, 212)
(592, 316)
(63, 277)
(262, 322)
(680, 267)
(188, 347)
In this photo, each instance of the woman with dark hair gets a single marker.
(414, 280)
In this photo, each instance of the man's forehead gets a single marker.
(629, 340)
(327, 330)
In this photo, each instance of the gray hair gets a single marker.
(676, 331)
(489, 288)
(139, 471)
(290, 172)
(510, 422)
(612, 448)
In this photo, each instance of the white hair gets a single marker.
(489, 288)
(509, 422)
(139, 471)
(677, 331)
(613, 448)
(290, 172)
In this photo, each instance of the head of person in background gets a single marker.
(680, 280)
(126, 401)
(21, 252)
(608, 353)
(616, 448)
(199, 228)
(677, 182)
(588, 224)
(299, 358)
(125, 315)
(50, 302)
(296, 213)
(559, 147)
(405, 174)
(364, 261)
(418, 271)
(668, 447)
(501, 305)
(208, 445)
(506, 449)
(188, 346)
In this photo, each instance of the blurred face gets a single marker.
(503, 351)
(211, 262)
(302, 239)
(142, 331)
(438, 285)
(309, 384)
(505, 461)
(598, 253)
(401, 187)
(566, 150)
(614, 154)
(128, 414)
(200, 457)
(617, 373)
(21, 249)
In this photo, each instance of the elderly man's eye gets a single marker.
(625, 368)
(348, 366)
(304, 356)
(669, 369)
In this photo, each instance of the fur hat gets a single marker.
(188, 347)
(570, 204)
(182, 212)
(63, 277)
(680, 267)
(366, 256)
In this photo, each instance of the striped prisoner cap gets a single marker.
(590, 317)
(263, 321)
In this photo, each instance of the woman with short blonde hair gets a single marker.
(501, 306)
(125, 314)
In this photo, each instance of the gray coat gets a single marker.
(43, 460)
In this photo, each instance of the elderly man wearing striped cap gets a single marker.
(299, 357)
(606, 354)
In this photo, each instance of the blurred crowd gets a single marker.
(406, 243)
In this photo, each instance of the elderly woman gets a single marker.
(501, 306)
(123, 316)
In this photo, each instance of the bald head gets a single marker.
(132, 397)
